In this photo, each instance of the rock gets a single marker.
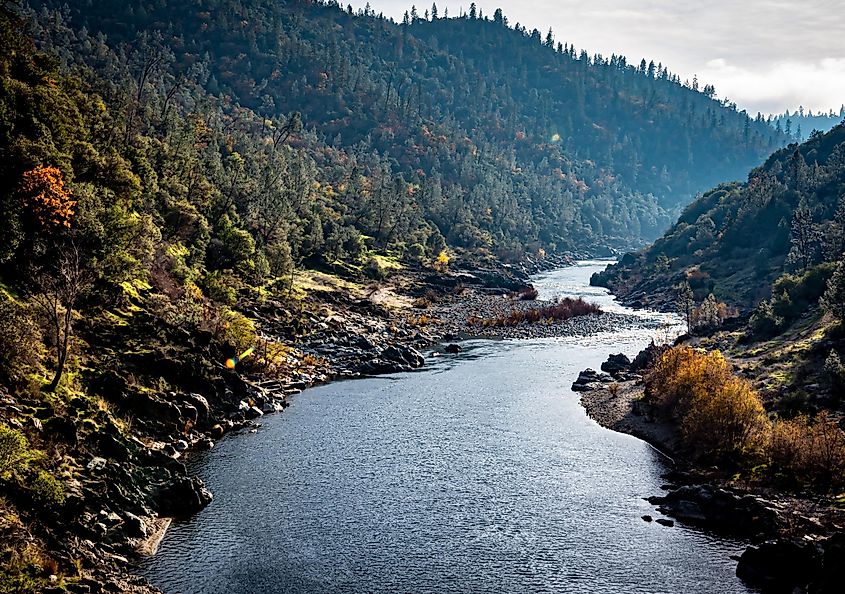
(253, 412)
(453, 348)
(134, 526)
(180, 445)
(110, 446)
(216, 431)
(201, 405)
(616, 364)
(182, 497)
(719, 509)
(646, 357)
(665, 522)
(96, 463)
(647, 518)
(404, 354)
(780, 565)
(833, 564)
(587, 378)
(61, 427)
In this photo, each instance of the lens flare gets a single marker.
(231, 363)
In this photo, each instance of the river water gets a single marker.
(480, 473)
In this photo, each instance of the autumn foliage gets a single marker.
(557, 311)
(43, 193)
(722, 419)
(720, 415)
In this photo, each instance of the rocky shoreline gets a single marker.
(134, 480)
(795, 544)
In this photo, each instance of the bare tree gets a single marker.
(55, 292)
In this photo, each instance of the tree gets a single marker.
(55, 291)
(805, 238)
(685, 303)
(43, 194)
(473, 12)
(834, 297)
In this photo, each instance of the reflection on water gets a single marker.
(480, 474)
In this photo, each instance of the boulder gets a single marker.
(587, 379)
(616, 364)
(403, 354)
(719, 510)
(134, 526)
(780, 565)
(182, 497)
(453, 348)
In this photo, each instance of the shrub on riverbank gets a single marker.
(558, 311)
(722, 419)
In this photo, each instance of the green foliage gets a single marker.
(14, 452)
(417, 145)
(834, 296)
(764, 322)
(834, 369)
(20, 342)
(47, 489)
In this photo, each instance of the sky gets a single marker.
(764, 55)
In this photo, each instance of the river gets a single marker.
(480, 473)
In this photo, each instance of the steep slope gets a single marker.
(513, 143)
(738, 238)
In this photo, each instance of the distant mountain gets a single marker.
(504, 140)
(801, 124)
(738, 238)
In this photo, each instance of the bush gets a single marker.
(805, 453)
(764, 322)
(720, 416)
(374, 270)
(834, 297)
(20, 342)
(47, 489)
(835, 371)
(14, 451)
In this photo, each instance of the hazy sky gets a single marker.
(766, 55)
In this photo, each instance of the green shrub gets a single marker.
(374, 270)
(14, 451)
(835, 371)
(47, 489)
(764, 322)
(834, 297)
(20, 342)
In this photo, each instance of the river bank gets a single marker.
(797, 540)
(133, 481)
(474, 473)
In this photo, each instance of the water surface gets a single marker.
(479, 474)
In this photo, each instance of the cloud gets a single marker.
(816, 84)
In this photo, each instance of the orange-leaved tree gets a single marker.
(43, 193)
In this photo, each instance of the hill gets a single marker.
(508, 141)
(738, 238)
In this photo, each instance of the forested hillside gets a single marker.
(488, 136)
(800, 124)
(737, 239)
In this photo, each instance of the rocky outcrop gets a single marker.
(182, 497)
(790, 564)
(590, 379)
(616, 364)
(720, 510)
